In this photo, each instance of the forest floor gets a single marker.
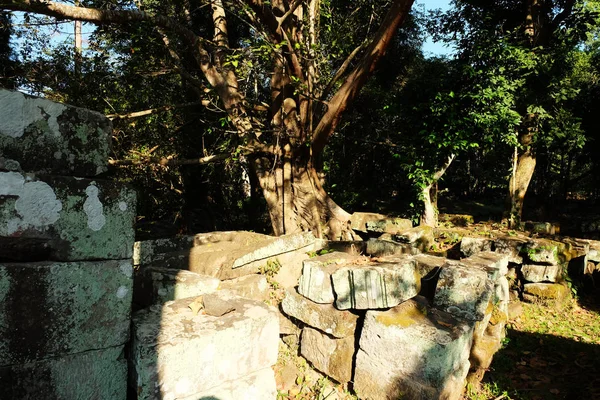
(548, 354)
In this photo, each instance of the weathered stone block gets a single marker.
(160, 285)
(428, 264)
(147, 251)
(495, 263)
(377, 285)
(594, 250)
(176, 353)
(548, 293)
(256, 386)
(254, 287)
(544, 251)
(419, 237)
(511, 246)
(463, 291)
(358, 220)
(94, 374)
(547, 228)
(389, 225)
(49, 309)
(331, 356)
(383, 248)
(541, 273)
(64, 219)
(315, 282)
(474, 245)
(44, 136)
(457, 219)
(324, 317)
(412, 351)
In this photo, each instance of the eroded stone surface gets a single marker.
(541, 273)
(49, 309)
(463, 291)
(420, 237)
(412, 351)
(256, 386)
(53, 138)
(544, 251)
(95, 374)
(473, 245)
(495, 263)
(69, 219)
(545, 293)
(177, 354)
(331, 356)
(358, 220)
(389, 225)
(315, 282)
(160, 285)
(511, 246)
(324, 317)
(376, 285)
(253, 287)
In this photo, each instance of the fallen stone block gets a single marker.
(412, 351)
(541, 273)
(594, 250)
(546, 228)
(159, 285)
(389, 225)
(511, 246)
(419, 237)
(358, 220)
(147, 251)
(254, 287)
(457, 219)
(495, 263)
(546, 293)
(377, 285)
(315, 281)
(324, 317)
(463, 291)
(331, 356)
(64, 219)
(94, 374)
(474, 245)
(383, 248)
(44, 136)
(49, 309)
(428, 267)
(256, 386)
(177, 353)
(544, 251)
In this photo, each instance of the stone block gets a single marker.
(546, 293)
(420, 237)
(544, 251)
(44, 136)
(331, 356)
(495, 263)
(389, 225)
(377, 285)
(541, 273)
(594, 250)
(324, 317)
(147, 251)
(412, 351)
(254, 287)
(64, 219)
(474, 245)
(176, 353)
(511, 246)
(315, 282)
(49, 309)
(259, 385)
(358, 220)
(545, 228)
(159, 285)
(94, 374)
(463, 291)
(383, 248)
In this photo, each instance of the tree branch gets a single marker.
(151, 111)
(170, 162)
(342, 70)
(357, 78)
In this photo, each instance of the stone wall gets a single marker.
(66, 240)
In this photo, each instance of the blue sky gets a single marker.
(430, 47)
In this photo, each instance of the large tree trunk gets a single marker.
(297, 201)
(523, 169)
(429, 214)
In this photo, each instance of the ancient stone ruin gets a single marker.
(86, 313)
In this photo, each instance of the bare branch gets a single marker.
(342, 70)
(170, 162)
(151, 111)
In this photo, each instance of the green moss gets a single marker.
(403, 316)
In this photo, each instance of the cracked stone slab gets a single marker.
(48, 309)
(64, 218)
(332, 356)
(176, 353)
(463, 291)
(324, 317)
(473, 245)
(95, 374)
(44, 136)
(414, 351)
(375, 285)
(315, 281)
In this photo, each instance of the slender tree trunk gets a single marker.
(429, 196)
(519, 182)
